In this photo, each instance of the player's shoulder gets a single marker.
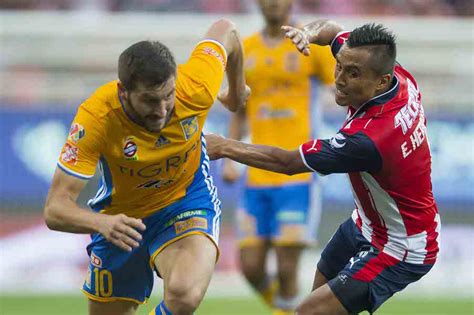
(102, 101)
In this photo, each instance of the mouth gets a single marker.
(340, 93)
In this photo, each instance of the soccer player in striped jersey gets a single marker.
(156, 209)
(278, 211)
(391, 240)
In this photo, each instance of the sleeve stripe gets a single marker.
(72, 173)
(217, 43)
(305, 163)
(303, 158)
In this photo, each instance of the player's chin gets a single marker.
(341, 101)
(155, 126)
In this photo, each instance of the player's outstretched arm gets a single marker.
(225, 32)
(61, 213)
(260, 156)
(319, 32)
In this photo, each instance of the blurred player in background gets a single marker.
(391, 240)
(276, 210)
(156, 208)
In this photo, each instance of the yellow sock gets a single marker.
(268, 294)
(278, 311)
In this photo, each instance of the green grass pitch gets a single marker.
(76, 305)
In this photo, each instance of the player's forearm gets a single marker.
(260, 156)
(65, 216)
(322, 32)
(235, 71)
(237, 124)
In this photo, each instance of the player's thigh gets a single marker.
(321, 301)
(288, 257)
(343, 245)
(253, 257)
(188, 263)
(319, 280)
(112, 308)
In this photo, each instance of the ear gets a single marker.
(384, 82)
(121, 90)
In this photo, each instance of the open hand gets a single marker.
(122, 231)
(299, 37)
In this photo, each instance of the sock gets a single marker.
(267, 290)
(285, 303)
(161, 309)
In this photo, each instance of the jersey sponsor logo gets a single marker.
(185, 215)
(343, 277)
(290, 216)
(156, 183)
(353, 261)
(191, 223)
(312, 147)
(338, 141)
(69, 154)
(166, 170)
(76, 133)
(211, 51)
(161, 141)
(408, 113)
(95, 260)
(130, 149)
(190, 126)
(291, 62)
(343, 38)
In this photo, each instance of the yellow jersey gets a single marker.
(279, 108)
(141, 171)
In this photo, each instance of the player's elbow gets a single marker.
(50, 217)
(290, 170)
(224, 25)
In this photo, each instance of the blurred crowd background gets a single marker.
(55, 53)
(333, 7)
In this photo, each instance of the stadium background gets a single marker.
(55, 53)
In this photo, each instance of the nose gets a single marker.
(340, 82)
(161, 110)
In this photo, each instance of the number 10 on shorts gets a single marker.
(102, 282)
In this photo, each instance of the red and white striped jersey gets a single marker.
(383, 147)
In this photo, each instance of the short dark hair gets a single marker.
(380, 42)
(147, 62)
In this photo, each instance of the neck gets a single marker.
(388, 87)
(273, 30)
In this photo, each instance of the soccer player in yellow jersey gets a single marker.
(156, 209)
(276, 210)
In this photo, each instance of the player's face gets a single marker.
(356, 81)
(275, 11)
(153, 106)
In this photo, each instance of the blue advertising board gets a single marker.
(31, 140)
